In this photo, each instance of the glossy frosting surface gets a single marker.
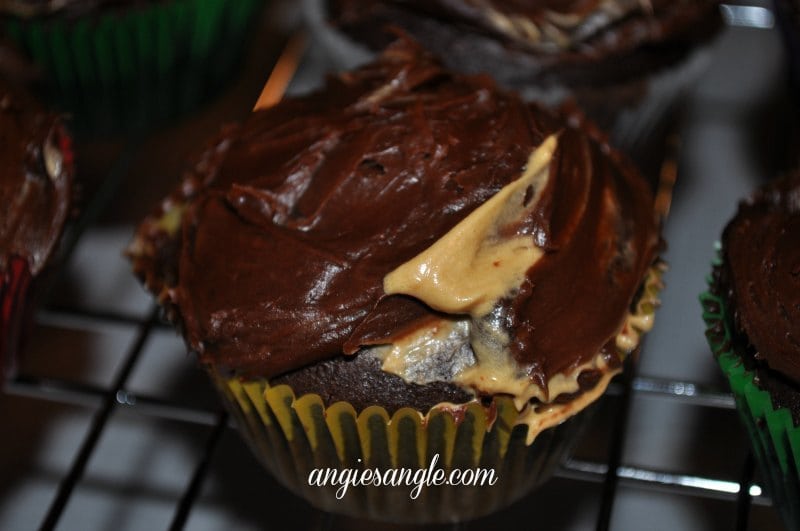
(35, 180)
(304, 209)
(761, 249)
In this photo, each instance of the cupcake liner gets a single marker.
(23, 279)
(295, 436)
(299, 440)
(774, 437)
(125, 69)
(15, 284)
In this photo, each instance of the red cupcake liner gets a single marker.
(15, 283)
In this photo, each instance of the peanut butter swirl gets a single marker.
(761, 247)
(290, 225)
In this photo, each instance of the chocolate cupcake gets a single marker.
(753, 314)
(36, 191)
(122, 66)
(388, 274)
(627, 63)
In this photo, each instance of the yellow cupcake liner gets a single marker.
(299, 440)
(295, 436)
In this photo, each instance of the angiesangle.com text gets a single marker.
(396, 477)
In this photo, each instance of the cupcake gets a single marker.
(752, 311)
(384, 280)
(36, 193)
(122, 66)
(626, 62)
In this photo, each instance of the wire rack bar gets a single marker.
(87, 318)
(745, 498)
(682, 484)
(616, 447)
(685, 392)
(611, 473)
(87, 395)
(98, 424)
(83, 394)
(193, 489)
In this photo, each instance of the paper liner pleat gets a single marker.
(293, 436)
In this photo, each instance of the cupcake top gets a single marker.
(36, 182)
(423, 216)
(761, 269)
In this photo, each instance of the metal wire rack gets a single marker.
(105, 400)
(610, 472)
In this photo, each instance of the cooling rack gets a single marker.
(212, 490)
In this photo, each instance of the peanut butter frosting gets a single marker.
(390, 208)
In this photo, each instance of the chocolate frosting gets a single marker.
(761, 260)
(297, 216)
(36, 181)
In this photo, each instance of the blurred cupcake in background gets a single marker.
(121, 66)
(752, 310)
(36, 191)
(626, 63)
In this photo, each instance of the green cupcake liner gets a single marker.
(774, 437)
(298, 439)
(129, 68)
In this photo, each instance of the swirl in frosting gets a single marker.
(298, 228)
